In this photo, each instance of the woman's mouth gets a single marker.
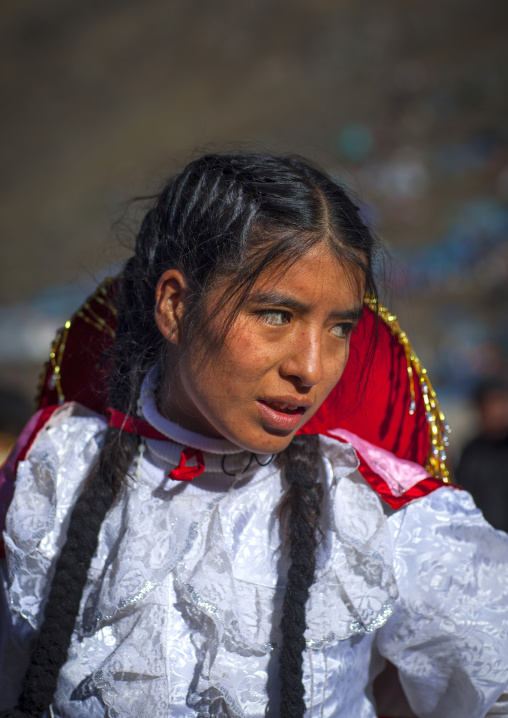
(281, 415)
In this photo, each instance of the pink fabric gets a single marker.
(399, 474)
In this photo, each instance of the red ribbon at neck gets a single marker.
(187, 473)
(133, 425)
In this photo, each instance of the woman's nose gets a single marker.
(304, 363)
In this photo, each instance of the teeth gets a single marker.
(279, 406)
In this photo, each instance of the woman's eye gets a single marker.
(276, 317)
(342, 330)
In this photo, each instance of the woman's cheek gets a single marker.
(335, 365)
(250, 354)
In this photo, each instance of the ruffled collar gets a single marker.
(219, 549)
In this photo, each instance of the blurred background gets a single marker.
(403, 100)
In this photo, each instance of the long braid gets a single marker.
(71, 571)
(101, 487)
(299, 511)
(52, 644)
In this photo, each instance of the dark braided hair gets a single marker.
(299, 513)
(225, 217)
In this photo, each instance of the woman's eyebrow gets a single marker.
(283, 300)
(279, 299)
(351, 315)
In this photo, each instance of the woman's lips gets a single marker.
(281, 415)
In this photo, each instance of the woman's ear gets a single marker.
(169, 304)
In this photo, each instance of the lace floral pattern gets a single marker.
(181, 610)
(452, 573)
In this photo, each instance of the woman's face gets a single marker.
(282, 356)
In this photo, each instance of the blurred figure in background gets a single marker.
(483, 464)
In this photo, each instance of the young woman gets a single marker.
(194, 555)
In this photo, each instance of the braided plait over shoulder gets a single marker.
(102, 485)
(62, 607)
(50, 651)
(299, 514)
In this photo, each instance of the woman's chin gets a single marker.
(264, 441)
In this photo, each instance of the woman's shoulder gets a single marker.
(58, 420)
(45, 474)
(447, 523)
(415, 504)
(52, 423)
(396, 481)
(57, 440)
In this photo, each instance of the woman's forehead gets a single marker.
(318, 262)
(317, 274)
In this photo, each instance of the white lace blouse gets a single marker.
(181, 610)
